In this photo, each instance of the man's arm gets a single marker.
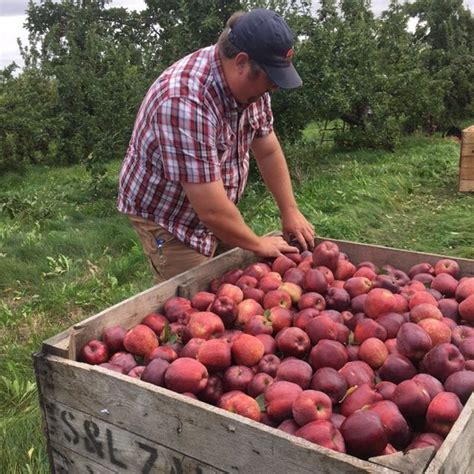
(222, 217)
(274, 170)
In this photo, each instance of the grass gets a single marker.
(66, 254)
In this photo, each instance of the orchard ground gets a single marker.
(67, 254)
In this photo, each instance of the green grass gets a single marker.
(66, 254)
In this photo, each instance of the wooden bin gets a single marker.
(466, 161)
(99, 421)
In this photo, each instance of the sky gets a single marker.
(12, 17)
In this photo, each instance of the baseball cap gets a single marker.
(268, 40)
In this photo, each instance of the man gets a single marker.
(188, 158)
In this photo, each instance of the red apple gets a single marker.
(331, 382)
(214, 354)
(442, 413)
(443, 360)
(140, 340)
(225, 308)
(322, 433)
(202, 299)
(296, 371)
(293, 341)
(311, 405)
(413, 341)
(246, 309)
(213, 390)
(175, 308)
(113, 338)
(328, 353)
(373, 351)
(259, 383)
(204, 324)
(326, 254)
(269, 364)
(447, 265)
(279, 398)
(466, 309)
(237, 377)
(155, 372)
(412, 398)
(378, 302)
(94, 352)
(247, 350)
(185, 375)
(461, 383)
(241, 404)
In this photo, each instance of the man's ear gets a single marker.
(241, 61)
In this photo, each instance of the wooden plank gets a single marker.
(412, 462)
(456, 454)
(111, 448)
(466, 185)
(466, 161)
(467, 135)
(217, 438)
(467, 150)
(66, 461)
(467, 173)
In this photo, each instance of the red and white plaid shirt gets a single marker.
(189, 128)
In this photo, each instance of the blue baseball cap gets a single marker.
(268, 40)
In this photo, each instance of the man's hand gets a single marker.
(295, 225)
(273, 246)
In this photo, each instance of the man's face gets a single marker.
(258, 84)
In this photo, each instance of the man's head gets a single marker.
(257, 49)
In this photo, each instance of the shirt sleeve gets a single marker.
(266, 122)
(186, 134)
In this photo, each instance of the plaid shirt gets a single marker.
(189, 128)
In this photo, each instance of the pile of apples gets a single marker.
(357, 359)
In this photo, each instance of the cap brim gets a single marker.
(284, 77)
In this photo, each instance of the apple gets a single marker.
(293, 341)
(161, 352)
(386, 389)
(321, 327)
(232, 291)
(423, 311)
(421, 268)
(345, 269)
(202, 299)
(277, 298)
(397, 368)
(311, 405)
(246, 309)
(294, 275)
(338, 299)
(191, 348)
(140, 340)
(259, 383)
(225, 308)
(337, 420)
(113, 367)
(185, 375)
(279, 318)
(328, 353)
(357, 286)
(449, 308)
(293, 290)
(447, 265)
(302, 318)
(257, 270)
(461, 383)
(289, 426)
(113, 338)
(432, 385)
(269, 364)
(258, 325)
(175, 308)
(322, 433)
(466, 348)
(386, 282)
(328, 274)
(442, 413)
(136, 372)
(269, 344)
(213, 390)
(373, 351)
(326, 254)
(461, 333)
(241, 404)
(246, 281)
(296, 371)
(425, 440)
(365, 272)
(311, 299)
(391, 322)
(214, 354)
(368, 328)
(270, 282)
(412, 398)
(255, 294)
(443, 360)
(395, 425)
(413, 341)
(378, 302)
(466, 309)
(279, 398)
(425, 278)
(331, 382)
(237, 377)
(445, 283)
(247, 350)
(438, 331)
(125, 360)
(204, 324)
(421, 297)
(282, 263)
(464, 289)
(358, 372)
(364, 434)
(232, 275)
(155, 372)
(358, 398)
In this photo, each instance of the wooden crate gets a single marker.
(99, 421)
(466, 161)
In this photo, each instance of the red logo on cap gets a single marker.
(290, 54)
